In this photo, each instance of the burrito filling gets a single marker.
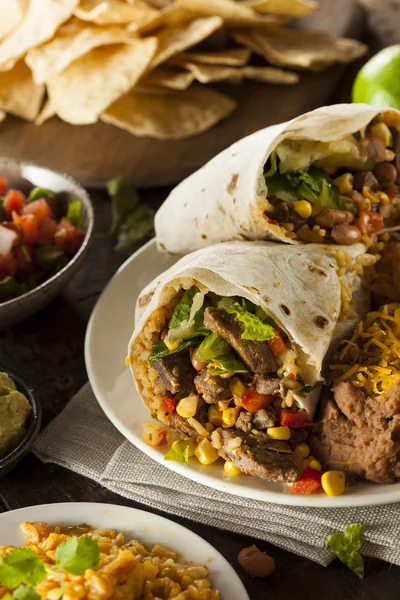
(220, 370)
(359, 428)
(341, 191)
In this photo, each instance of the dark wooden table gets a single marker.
(48, 351)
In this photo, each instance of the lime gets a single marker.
(378, 82)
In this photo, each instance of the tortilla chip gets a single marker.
(211, 73)
(69, 44)
(167, 17)
(169, 78)
(2, 115)
(45, 114)
(18, 94)
(170, 116)
(301, 49)
(173, 40)
(40, 22)
(231, 12)
(11, 15)
(234, 58)
(114, 12)
(91, 83)
(289, 8)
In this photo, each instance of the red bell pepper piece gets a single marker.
(169, 405)
(3, 186)
(391, 191)
(272, 221)
(308, 482)
(253, 400)
(369, 222)
(276, 344)
(293, 420)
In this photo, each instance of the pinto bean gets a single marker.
(197, 364)
(256, 562)
(346, 234)
(330, 217)
(386, 172)
(357, 199)
(374, 148)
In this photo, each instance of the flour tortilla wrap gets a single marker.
(226, 199)
(300, 290)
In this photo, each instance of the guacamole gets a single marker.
(14, 414)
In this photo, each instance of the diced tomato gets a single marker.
(308, 482)
(68, 237)
(13, 201)
(3, 186)
(392, 191)
(292, 419)
(28, 225)
(369, 222)
(169, 405)
(253, 401)
(276, 344)
(47, 230)
(40, 208)
(8, 265)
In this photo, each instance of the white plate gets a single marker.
(109, 330)
(145, 527)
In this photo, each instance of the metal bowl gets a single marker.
(25, 176)
(10, 460)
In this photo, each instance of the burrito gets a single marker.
(329, 176)
(358, 430)
(230, 349)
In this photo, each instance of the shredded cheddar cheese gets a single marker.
(371, 358)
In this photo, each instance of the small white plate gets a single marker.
(145, 527)
(110, 328)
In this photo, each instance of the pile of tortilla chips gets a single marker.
(142, 65)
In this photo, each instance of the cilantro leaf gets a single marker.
(74, 215)
(306, 389)
(21, 565)
(24, 592)
(78, 554)
(273, 165)
(347, 547)
(254, 328)
(159, 350)
(179, 452)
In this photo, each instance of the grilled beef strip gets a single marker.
(176, 373)
(212, 387)
(267, 385)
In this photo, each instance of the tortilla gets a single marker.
(279, 282)
(168, 16)
(40, 22)
(2, 115)
(226, 199)
(235, 57)
(231, 12)
(91, 83)
(169, 78)
(211, 73)
(290, 8)
(171, 116)
(18, 93)
(175, 39)
(11, 15)
(300, 49)
(113, 12)
(69, 44)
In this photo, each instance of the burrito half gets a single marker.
(329, 176)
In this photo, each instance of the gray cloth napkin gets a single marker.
(82, 439)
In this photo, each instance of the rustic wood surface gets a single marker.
(94, 153)
(48, 351)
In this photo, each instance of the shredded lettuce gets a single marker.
(347, 547)
(159, 350)
(226, 364)
(191, 325)
(179, 452)
(212, 347)
(273, 165)
(254, 328)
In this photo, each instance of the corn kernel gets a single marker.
(278, 433)
(187, 407)
(303, 208)
(172, 344)
(369, 195)
(288, 226)
(229, 416)
(299, 454)
(127, 361)
(205, 453)
(210, 427)
(311, 462)
(231, 469)
(345, 183)
(389, 155)
(223, 404)
(333, 483)
(383, 198)
(237, 387)
(382, 131)
(198, 427)
(214, 415)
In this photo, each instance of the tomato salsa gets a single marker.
(36, 241)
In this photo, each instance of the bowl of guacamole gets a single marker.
(20, 418)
